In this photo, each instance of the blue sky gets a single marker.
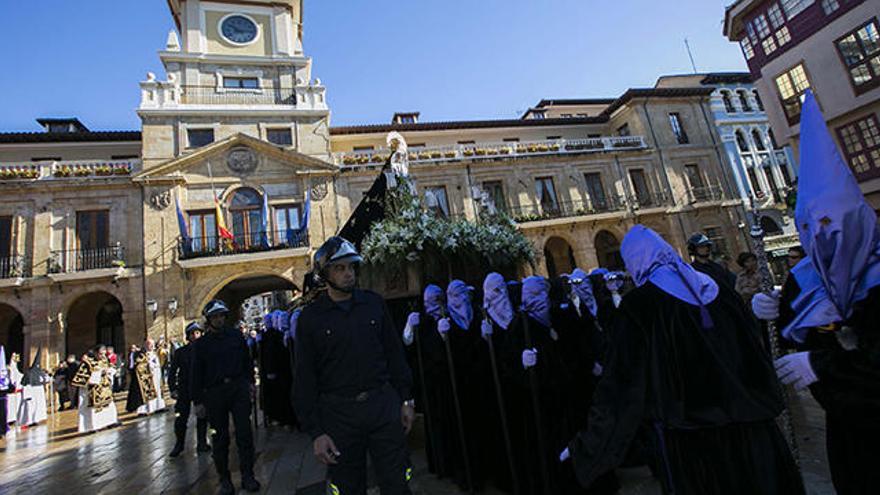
(449, 59)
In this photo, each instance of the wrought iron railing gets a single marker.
(706, 193)
(212, 95)
(255, 242)
(563, 209)
(77, 260)
(14, 266)
(648, 200)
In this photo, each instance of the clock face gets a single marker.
(239, 29)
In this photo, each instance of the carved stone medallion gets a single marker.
(160, 200)
(242, 160)
(319, 189)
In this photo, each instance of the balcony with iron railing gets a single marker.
(433, 154)
(256, 242)
(14, 266)
(65, 170)
(79, 260)
(212, 95)
(564, 209)
(705, 194)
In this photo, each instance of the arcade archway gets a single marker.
(608, 251)
(92, 319)
(274, 291)
(559, 257)
(11, 330)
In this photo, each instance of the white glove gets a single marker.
(597, 369)
(413, 319)
(529, 358)
(795, 369)
(443, 326)
(486, 329)
(766, 306)
(616, 298)
(408, 334)
(565, 455)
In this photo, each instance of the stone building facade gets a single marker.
(110, 237)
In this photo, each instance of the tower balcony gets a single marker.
(170, 95)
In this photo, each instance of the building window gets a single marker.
(783, 36)
(728, 103)
(363, 148)
(769, 45)
(287, 227)
(741, 142)
(772, 137)
(435, 200)
(761, 26)
(5, 244)
(246, 209)
(596, 191)
(830, 6)
(759, 140)
(753, 180)
(538, 115)
(495, 190)
(640, 186)
(196, 138)
(783, 169)
(203, 231)
(747, 48)
(744, 101)
(566, 115)
(792, 85)
(861, 144)
(512, 140)
(695, 181)
(546, 194)
(775, 15)
(93, 240)
(624, 130)
(281, 137)
(553, 138)
(241, 82)
(860, 51)
(758, 101)
(771, 180)
(677, 128)
(795, 7)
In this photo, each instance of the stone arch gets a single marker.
(11, 330)
(770, 226)
(91, 319)
(608, 250)
(559, 256)
(235, 289)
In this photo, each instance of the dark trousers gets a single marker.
(371, 426)
(222, 401)
(853, 457)
(182, 408)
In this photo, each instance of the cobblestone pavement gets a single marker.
(133, 459)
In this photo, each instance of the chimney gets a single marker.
(405, 118)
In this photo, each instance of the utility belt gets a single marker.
(362, 396)
(226, 381)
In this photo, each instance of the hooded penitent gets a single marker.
(649, 258)
(583, 289)
(496, 301)
(4, 372)
(433, 299)
(536, 299)
(35, 375)
(838, 230)
(458, 300)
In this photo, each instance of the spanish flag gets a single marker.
(221, 223)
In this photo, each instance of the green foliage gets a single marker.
(409, 231)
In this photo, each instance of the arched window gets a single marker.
(246, 209)
(741, 142)
(744, 101)
(772, 139)
(758, 101)
(728, 103)
(759, 140)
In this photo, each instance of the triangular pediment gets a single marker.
(239, 154)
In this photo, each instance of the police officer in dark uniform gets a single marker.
(223, 383)
(353, 386)
(178, 384)
(700, 248)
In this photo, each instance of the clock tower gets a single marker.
(233, 68)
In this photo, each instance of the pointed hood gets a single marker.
(433, 300)
(4, 372)
(35, 375)
(460, 303)
(838, 230)
(536, 299)
(651, 259)
(583, 288)
(496, 300)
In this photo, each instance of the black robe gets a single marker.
(276, 378)
(710, 395)
(849, 391)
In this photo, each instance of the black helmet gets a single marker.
(333, 250)
(193, 327)
(215, 307)
(696, 240)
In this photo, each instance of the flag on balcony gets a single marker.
(307, 213)
(265, 238)
(221, 223)
(185, 240)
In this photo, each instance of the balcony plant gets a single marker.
(349, 160)
(468, 152)
(103, 170)
(62, 171)
(82, 171)
(122, 169)
(449, 154)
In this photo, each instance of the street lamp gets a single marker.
(172, 306)
(152, 307)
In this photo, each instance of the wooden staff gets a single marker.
(536, 409)
(457, 403)
(426, 406)
(499, 397)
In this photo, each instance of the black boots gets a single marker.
(249, 483)
(226, 486)
(178, 449)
